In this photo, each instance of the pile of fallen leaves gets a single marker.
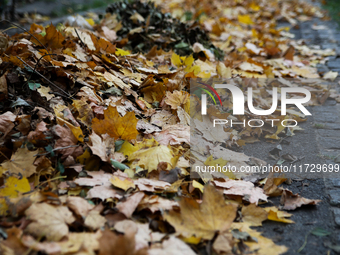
(95, 141)
(141, 26)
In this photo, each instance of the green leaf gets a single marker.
(320, 232)
(19, 102)
(33, 85)
(242, 235)
(181, 45)
(49, 149)
(113, 91)
(60, 167)
(280, 162)
(317, 232)
(118, 165)
(118, 144)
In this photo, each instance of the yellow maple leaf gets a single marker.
(264, 245)
(122, 184)
(116, 126)
(221, 162)
(245, 19)
(198, 185)
(127, 148)
(13, 186)
(254, 6)
(90, 21)
(150, 158)
(21, 162)
(176, 60)
(275, 214)
(120, 52)
(203, 220)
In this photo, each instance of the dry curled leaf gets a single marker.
(49, 221)
(292, 201)
(203, 220)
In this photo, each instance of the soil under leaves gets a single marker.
(96, 144)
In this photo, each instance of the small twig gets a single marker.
(14, 24)
(53, 179)
(42, 76)
(304, 243)
(9, 28)
(4, 155)
(60, 148)
(38, 63)
(296, 160)
(129, 64)
(80, 38)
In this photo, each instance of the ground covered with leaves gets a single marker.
(95, 125)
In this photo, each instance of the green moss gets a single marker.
(333, 8)
(72, 8)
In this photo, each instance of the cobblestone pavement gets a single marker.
(319, 143)
(326, 118)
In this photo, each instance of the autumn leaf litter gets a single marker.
(95, 146)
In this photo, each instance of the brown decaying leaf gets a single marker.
(116, 126)
(203, 220)
(242, 188)
(21, 162)
(94, 220)
(103, 147)
(292, 201)
(68, 140)
(129, 206)
(253, 215)
(13, 244)
(49, 221)
(6, 122)
(79, 206)
(111, 243)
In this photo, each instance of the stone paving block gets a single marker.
(322, 68)
(329, 46)
(324, 36)
(330, 156)
(329, 143)
(336, 213)
(334, 198)
(336, 69)
(329, 109)
(335, 182)
(330, 103)
(329, 133)
(334, 63)
(326, 117)
(331, 58)
(334, 126)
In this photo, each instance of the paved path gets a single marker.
(319, 143)
(326, 118)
